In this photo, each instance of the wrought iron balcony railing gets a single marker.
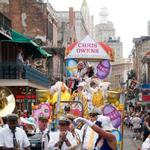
(11, 71)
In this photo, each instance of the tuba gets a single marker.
(7, 102)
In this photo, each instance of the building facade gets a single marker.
(119, 71)
(140, 54)
(105, 32)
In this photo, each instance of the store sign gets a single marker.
(22, 97)
(132, 85)
(146, 92)
(88, 49)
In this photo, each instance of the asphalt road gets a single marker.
(128, 142)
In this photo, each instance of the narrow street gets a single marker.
(129, 142)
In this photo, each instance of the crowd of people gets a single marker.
(36, 63)
(94, 134)
(139, 124)
(89, 130)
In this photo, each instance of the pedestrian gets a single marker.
(136, 121)
(13, 137)
(20, 63)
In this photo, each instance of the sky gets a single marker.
(129, 17)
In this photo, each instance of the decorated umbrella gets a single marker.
(88, 49)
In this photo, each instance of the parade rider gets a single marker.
(106, 141)
(13, 137)
(62, 139)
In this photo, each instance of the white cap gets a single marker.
(106, 122)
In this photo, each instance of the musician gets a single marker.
(13, 137)
(75, 132)
(43, 129)
(106, 140)
(63, 138)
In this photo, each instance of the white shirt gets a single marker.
(44, 137)
(146, 144)
(87, 136)
(20, 58)
(55, 138)
(6, 138)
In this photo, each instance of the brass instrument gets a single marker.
(113, 96)
(7, 102)
(43, 95)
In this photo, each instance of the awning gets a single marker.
(20, 38)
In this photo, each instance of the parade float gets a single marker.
(94, 93)
(99, 56)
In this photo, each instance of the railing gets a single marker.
(10, 71)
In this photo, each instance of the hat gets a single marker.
(81, 62)
(30, 121)
(64, 120)
(81, 84)
(96, 81)
(93, 112)
(96, 111)
(43, 117)
(106, 123)
(12, 117)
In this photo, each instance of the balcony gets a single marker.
(5, 27)
(10, 71)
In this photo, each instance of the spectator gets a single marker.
(136, 121)
(20, 62)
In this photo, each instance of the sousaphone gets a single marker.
(7, 102)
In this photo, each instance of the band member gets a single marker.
(106, 139)
(89, 136)
(13, 137)
(75, 132)
(43, 129)
(63, 138)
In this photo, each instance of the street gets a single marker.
(129, 143)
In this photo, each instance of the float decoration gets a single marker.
(42, 109)
(113, 114)
(103, 69)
